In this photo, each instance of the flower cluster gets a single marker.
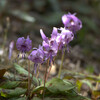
(50, 45)
(60, 38)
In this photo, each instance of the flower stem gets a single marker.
(29, 80)
(62, 59)
(50, 67)
(45, 76)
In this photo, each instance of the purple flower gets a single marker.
(59, 42)
(71, 22)
(54, 33)
(50, 45)
(50, 48)
(24, 45)
(36, 56)
(64, 38)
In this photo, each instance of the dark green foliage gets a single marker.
(55, 89)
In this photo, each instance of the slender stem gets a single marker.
(31, 84)
(31, 95)
(62, 59)
(37, 72)
(49, 72)
(29, 80)
(45, 78)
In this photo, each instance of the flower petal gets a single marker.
(43, 36)
(54, 32)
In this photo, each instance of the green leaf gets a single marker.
(36, 98)
(71, 96)
(57, 85)
(9, 84)
(21, 70)
(13, 84)
(13, 77)
(58, 89)
(47, 98)
(23, 98)
(24, 72)
(12, 93)
(38, 89)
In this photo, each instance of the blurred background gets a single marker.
(26, 17)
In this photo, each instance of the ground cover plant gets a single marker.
(33, 88)
(61, 62)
